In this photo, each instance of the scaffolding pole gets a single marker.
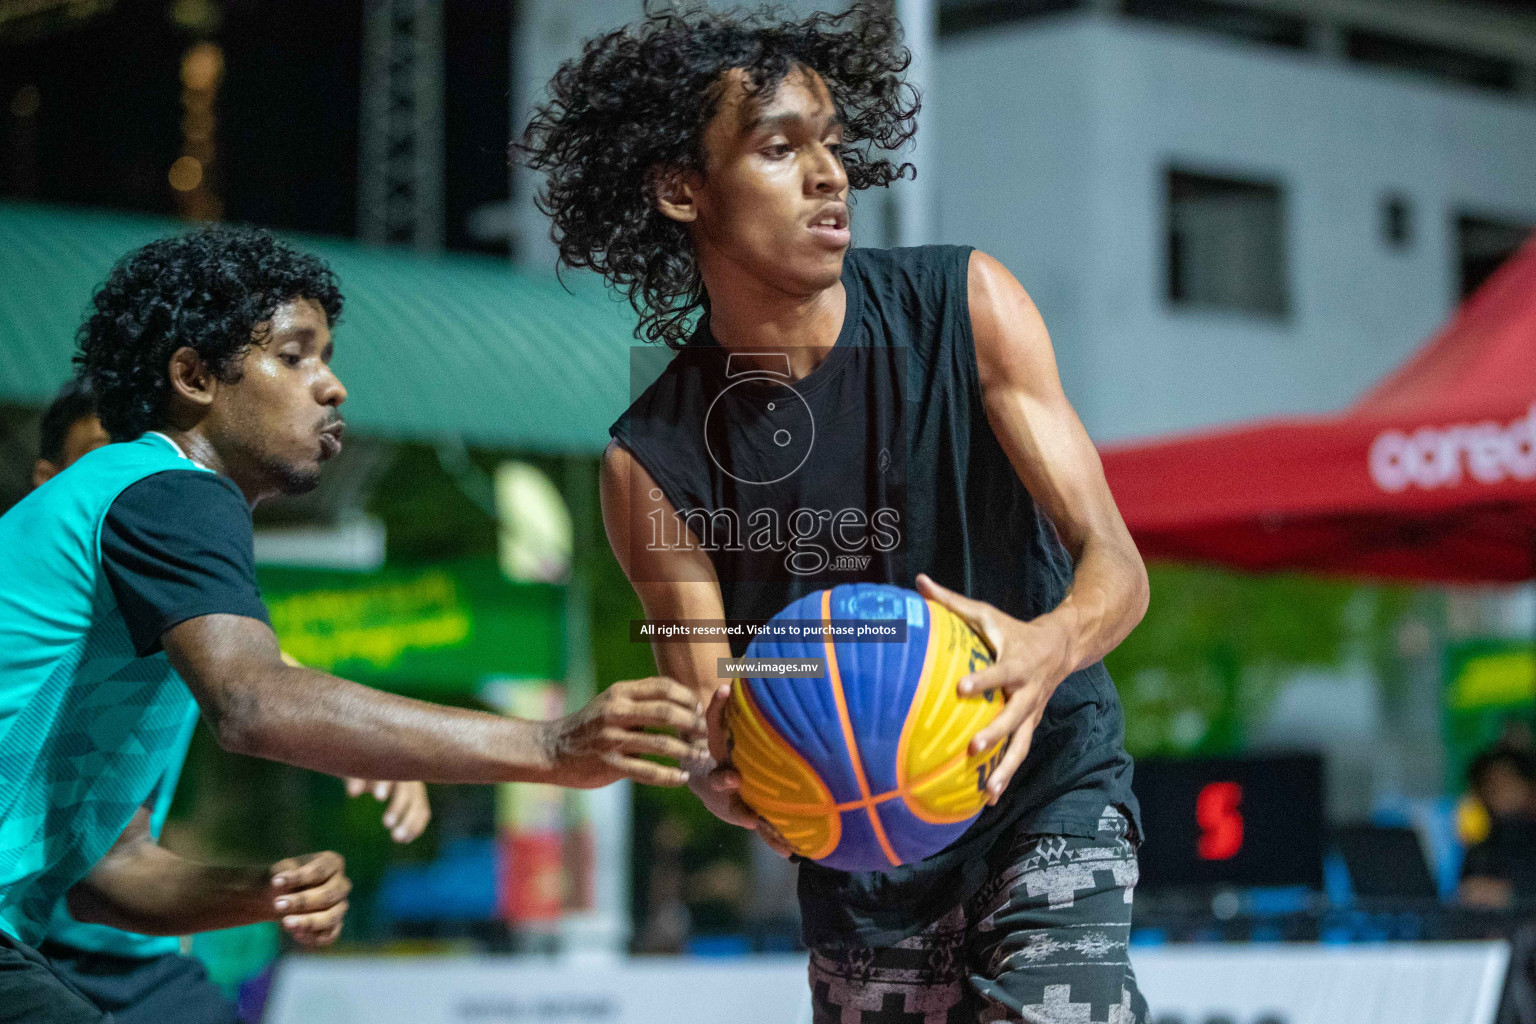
(400, 150)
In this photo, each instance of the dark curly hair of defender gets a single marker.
(210, 291)
(638, 99)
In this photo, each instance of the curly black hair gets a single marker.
(212, 291)
(638, 100)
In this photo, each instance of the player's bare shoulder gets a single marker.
(1013, 347)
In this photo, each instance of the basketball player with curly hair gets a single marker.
(704, 164)
(128, 603)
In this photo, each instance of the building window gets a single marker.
(957, 17)
(1226, 244)
(1483, 244)
(1241, 21)
(1396, 220)
(1425, 58)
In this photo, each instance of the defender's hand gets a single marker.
(718, 785)
(409, 809)
(309, 896)
(602, 742)
(1030, 661)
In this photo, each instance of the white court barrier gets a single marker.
(511, 990)
(1302, 983)
(1398, 983)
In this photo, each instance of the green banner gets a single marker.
(441, 628)
(1488, 685)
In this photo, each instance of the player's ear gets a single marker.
(191, 381)
(674, 191)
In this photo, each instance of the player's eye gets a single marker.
(778, 150)
(290, 358)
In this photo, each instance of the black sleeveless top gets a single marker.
(877, 465)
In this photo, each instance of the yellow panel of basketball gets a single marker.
(778, 783)
(941, 782)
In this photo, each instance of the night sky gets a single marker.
(107, 125)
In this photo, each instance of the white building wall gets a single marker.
(1014, 116)
(545, 34)
(1054, 140)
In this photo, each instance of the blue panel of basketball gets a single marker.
(859, 849)
(880, 679)
(804, 711)
(913, 838)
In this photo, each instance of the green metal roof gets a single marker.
(429, 346)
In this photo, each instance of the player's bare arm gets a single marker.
(143, 887)
(260, 706)
(1055, 459)
(678, 582)
(673, 581)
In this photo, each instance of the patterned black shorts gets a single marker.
(1043, 942)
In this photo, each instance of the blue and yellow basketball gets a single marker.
(865, 768)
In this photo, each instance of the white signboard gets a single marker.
(1296, 983)
(509, 990)
(1398, 983)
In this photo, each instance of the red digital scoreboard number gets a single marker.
(1220, 820)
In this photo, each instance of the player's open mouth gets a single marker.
(330, 440)
(830, 226)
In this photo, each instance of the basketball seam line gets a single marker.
(836, 678)
(853, 805)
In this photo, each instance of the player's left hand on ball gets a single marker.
(309, 896)
(1030, 661)
(718, 785)
(409, 809)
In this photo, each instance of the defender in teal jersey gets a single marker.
(88, 728)
(144, 979)
(127, 593)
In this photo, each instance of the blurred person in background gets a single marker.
(144, 979)
(128, 580)
(1501, 869)
(70, 428)
(703, 163)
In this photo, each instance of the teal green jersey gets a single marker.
(99, 938)
(88, 727)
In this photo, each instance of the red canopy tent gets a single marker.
(1430, 476)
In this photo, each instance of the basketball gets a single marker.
(865, 768)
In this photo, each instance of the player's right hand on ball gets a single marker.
(605, 741)
(309, 896)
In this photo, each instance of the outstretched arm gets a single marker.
(260, 706)
(143, 887)
(678, 581)
(1054, 457)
